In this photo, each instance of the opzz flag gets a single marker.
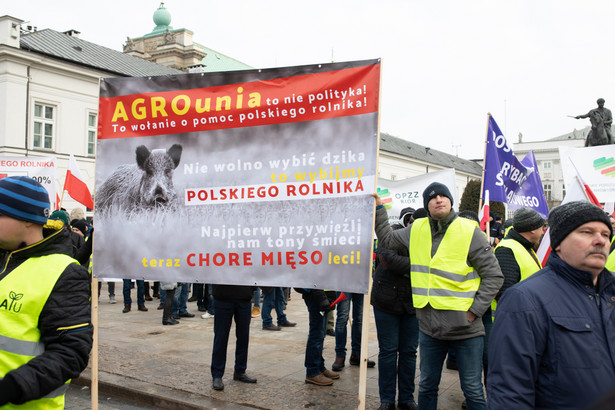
(504, 173)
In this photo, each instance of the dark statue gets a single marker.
(601, 120)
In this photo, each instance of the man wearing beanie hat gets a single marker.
(552, 340)
(454, 277)
(516, 253)
(45, 330)
(405, 216)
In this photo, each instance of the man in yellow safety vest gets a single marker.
(45, 330)
(454, 276)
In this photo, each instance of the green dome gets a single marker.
(162, 17)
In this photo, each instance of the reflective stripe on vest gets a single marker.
(527, 261)
(446, 282)
(23, 294)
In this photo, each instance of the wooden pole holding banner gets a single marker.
(366, 304)
(94, 362)
(482, 181)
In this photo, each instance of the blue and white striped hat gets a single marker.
(25, 199)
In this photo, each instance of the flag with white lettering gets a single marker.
(531, 193)
(504, 173)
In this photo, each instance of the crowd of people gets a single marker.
(531, 337)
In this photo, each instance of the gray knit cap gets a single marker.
(527, 219)
(566, 218)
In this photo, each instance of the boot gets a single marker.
(156, 290)
(338, 364)
(146, 291)
(167, 319)
(126, 308)
(142, 308)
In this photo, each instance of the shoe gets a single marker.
(170, 321)
(256, 311)
(451, 365)
(206, 315)
(320, 380)
(160, 306)
(142, 308)
(187, 314)
(217, 384)
(156, 295)
(174, 316)
(331, 375)
(243, 377)
(464, 405)
(202, 309)
(408, 406)
(330, 332)
(112, 300)
(287, 324)
(355, 360)
(148, 298)
(126, 308)
(338, 364)
(192, 299)
(387, 406)
(272, 327)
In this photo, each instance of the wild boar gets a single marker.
(148, 184)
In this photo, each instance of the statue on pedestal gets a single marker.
(601, 120)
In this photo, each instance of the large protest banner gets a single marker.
(249, 177)
(596, 167)
(403, 193)
(42, 169)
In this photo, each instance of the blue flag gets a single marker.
(531, 193)
(504, 173)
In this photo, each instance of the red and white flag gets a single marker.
(75, 185)
(484, 212)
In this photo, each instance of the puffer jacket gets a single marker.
(449, 324)
(552, 345)
(66, 352)
(391, 288)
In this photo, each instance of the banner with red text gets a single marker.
(256, 177)
(42, 169)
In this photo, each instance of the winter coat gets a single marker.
(391, 288)
(232, 293)
(553, 341)
(66, 352)
(449, 324)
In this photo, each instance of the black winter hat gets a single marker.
(566, 218)
(405, 213)
(420, 213)
(527, 219)
(434, 189)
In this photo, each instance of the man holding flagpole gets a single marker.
(454, 276)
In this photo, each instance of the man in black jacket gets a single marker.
(45, 330)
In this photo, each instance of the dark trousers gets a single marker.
(223, 319)
(140, 292)
(314, 362)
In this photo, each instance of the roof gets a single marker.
(77, 51)
(574, 135)
(409, 149)
(216, 61)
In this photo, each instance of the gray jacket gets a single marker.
(450, 324)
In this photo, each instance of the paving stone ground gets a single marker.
(135, 351)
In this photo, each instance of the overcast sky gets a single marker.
(446, 63)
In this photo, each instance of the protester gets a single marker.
(552, 337)
(45, 331)
(231, 302)
(341, 331)
(274, 299)
(167, 313)
(448, 294)
(396, 326)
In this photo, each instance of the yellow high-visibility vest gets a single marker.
(527, 261)
(610, 262)
(445, 282)
(23, 294)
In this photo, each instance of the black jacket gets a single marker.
(232, 293)
(66, 352)
(391, 289)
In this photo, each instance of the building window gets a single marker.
(547, 188)
(547, 165)
(92, 127)
(44, 125)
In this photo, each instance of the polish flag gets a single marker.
(484, 212)
(75, 186)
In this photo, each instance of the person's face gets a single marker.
(587, 247)
(612, 221)
(536, 235)
(12, 232)
(439, 206)
(77, 230)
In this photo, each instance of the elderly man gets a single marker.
(454, 276)
(552, 341)
(45, 330)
